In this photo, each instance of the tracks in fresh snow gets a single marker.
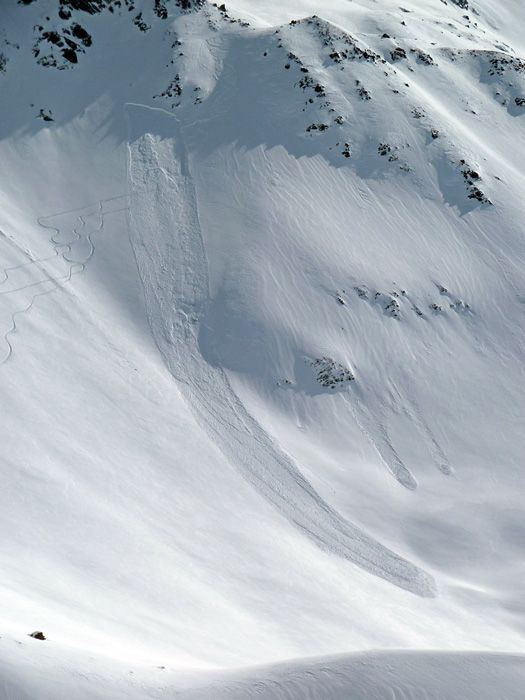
(373, 426)
(167, 243)
(376, 433)
(47, 266)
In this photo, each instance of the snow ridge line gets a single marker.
(173, 271)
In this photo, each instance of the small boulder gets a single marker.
(37, 635)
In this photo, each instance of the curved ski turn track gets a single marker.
(51, 276)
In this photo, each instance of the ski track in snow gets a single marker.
(175, 280)
(75, 266)
(415, 416)
(377, 434)
(127, 580)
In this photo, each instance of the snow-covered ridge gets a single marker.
(261, 347)
(327, 94)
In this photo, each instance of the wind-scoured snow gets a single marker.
(262, 300)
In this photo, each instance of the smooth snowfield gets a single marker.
(262, 331)
(401, 675)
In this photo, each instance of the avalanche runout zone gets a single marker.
(168, 247)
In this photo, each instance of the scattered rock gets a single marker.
(385, 149)
(330, 373)
(463, 4)
(174, 90)
(317, 127)
(393, 308)
(45, 115)
(160, 10)
(423, 57)
(140, 23)
(362, 91)
(398, 54)
(80, 33)
(471, 177)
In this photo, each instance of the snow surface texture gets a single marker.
(262, 300)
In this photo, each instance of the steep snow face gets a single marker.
(262, 305)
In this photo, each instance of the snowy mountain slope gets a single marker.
(262, 309)
(379, 675)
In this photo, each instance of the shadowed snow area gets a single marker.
(262, 331)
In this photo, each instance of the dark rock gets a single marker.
(70, 55)
(398, 53)
(37, 635)
(331, 373)
(80, 33)
(160, 10)
(46, 116)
